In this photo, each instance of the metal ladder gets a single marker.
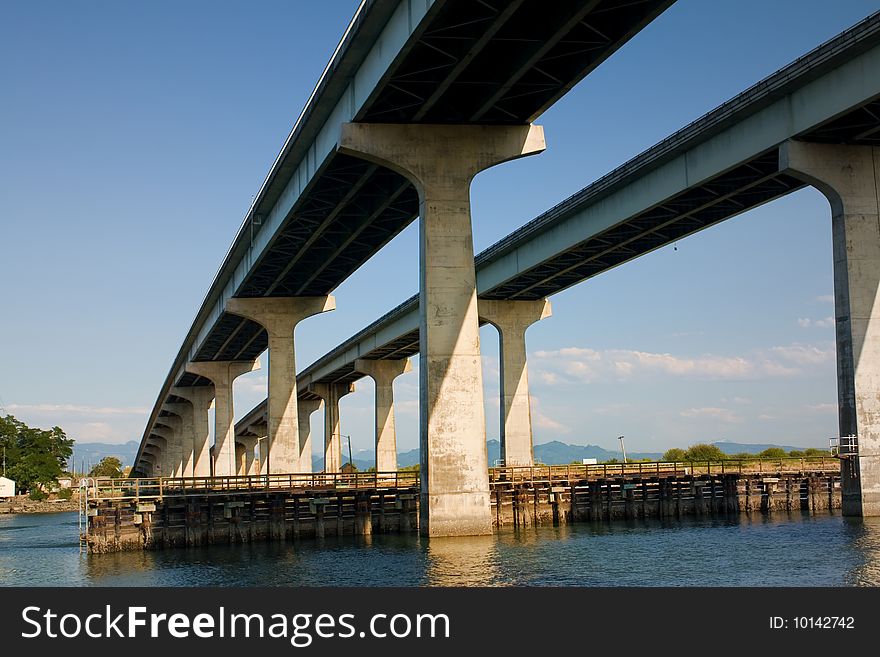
(84, 512)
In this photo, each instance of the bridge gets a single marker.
(814, 122)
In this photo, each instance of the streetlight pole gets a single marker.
(622, 448)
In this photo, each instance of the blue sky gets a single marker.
(133, 137)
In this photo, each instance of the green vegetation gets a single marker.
(37, 495)
(410, 468)
(35, 458)
(704, 452)
(65, 494)
(109, 466)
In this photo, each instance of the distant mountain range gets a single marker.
(552, 453)
(85, 454)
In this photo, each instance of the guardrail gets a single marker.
(158, 487)
(605, 470)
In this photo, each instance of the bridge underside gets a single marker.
(491, 62)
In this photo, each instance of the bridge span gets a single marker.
(815, 122)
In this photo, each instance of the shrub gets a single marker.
(773, 453)
(674, 454)
(703, 452)
(37, 495)
(65, 493)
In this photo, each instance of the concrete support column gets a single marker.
(383, 373)
(305, 408)
(849, 176)
(331, 393)
(175, 422)
(184, 410)
(153, 455)
(512, 318)
(222, 374)
(441, 161)
(170, 449)
(279, 316)
(200, 397)
(249, 465)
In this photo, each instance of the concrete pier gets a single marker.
(848, 177)
(222, 374)
(305, 409)
(170, 448)
(248, 465)
(383, 373)
(201, 398)
(512, 318)
(331, 393)
(279, 316)
(184, 410)
(441, 161)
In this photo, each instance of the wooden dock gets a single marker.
(146, 514)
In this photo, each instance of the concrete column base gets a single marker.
(222, 374)
(848, 176)
(279, 316)
(383, 373)
(512, 318)
(201, 398)
(331, 393)
(441, 161)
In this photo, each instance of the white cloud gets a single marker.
(580, 365)
(821, 408)
(806, 322)
(78, 409)
(713, 413)
(543, 421)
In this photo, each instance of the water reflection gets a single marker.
(756, 550)
(865, 542)
(463, 561)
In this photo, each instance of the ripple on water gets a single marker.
(794, 550)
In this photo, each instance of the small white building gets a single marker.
(590, 461)
(7, 487)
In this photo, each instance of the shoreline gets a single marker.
(27, 506)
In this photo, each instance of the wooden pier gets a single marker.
(146, 514)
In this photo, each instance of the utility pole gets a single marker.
(622, 448)
(4, 460)
(350, 460)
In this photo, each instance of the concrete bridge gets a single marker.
(814, 122)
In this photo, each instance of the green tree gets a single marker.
(796, 453)
(674, 454)
(109, 466)
(703, 452)
(35, 458)
(773, 453)
(815, 451)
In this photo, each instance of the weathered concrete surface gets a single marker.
(222, 374)
(184, 410)
(279, 316)
(441, 161)
(383, 373)
(331, 393)
(848, 176)
(246, 458)
(201, 398)
(175, 422)
(512, 318)
(305, 409)
(170, 451)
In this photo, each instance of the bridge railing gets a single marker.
(658, 468)
(157, 487)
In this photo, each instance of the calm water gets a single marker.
(825, 550)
